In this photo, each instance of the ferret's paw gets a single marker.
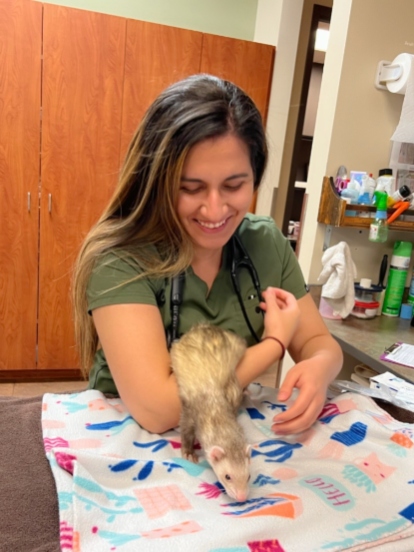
(191, 457)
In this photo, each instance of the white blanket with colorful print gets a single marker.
(345, 484)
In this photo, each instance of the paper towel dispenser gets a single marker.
(393, 75)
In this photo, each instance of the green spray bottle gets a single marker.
(378, 231)
(397, 276)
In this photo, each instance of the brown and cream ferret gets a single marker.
(204, 362)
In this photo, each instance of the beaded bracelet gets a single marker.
(278, 341)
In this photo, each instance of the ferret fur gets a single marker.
(204, 362)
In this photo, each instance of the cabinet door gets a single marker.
(20, 76)
(156, 56)
(82, 108)
(247, 64)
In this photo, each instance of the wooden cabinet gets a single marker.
(20, 89)
(83, 67)
(65, 126)
(336, 211)
(156, 56)
(248, 64)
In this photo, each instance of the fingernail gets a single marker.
(276, 430)
(282, 396)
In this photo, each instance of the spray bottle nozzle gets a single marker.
(380, 200)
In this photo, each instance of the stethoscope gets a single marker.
(239, 259)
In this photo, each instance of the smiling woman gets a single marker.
(182, 202)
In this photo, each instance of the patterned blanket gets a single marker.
(345, 484)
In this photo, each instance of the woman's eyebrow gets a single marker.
(199, 180)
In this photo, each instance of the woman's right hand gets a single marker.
(281, 314)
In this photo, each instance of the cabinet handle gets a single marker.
(50, 203)
(28, 201)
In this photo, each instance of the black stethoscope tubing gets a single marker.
(239, 260)
(237, 263)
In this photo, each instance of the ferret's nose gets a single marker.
(241, 496)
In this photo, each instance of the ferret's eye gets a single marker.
(227, 477)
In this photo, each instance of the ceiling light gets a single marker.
(321, 42)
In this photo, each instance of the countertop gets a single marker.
(366, 340)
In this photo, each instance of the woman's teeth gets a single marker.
(212, 224)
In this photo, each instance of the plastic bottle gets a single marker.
(397, 276)
(402, 194)
(341, 178)
(378, 231)
(366, 193)
(351, 194)
(368, 186)
(410, 298)
(385, 181)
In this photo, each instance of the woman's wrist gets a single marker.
(277, 341)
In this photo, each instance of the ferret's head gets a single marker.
(232, 470)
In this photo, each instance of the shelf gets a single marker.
(336, 211)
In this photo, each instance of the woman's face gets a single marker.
(216, 191)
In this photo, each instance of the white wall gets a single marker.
(233, 18)
(355, 121)
(312, 100)
(285, 37)
(268, 18)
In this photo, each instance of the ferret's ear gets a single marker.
(248, 450)
(215, 454)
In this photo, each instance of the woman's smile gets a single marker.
(213, 226)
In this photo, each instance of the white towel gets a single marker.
(337, 276)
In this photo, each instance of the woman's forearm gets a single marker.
(327, 350)
(162, 412)
(256, 360)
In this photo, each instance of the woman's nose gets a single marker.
(214, 206)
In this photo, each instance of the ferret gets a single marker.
(204, 362)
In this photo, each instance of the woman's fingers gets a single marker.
(282, 298)
(282, 314)
(303, 412)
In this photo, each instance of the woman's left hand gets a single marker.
(312, 380)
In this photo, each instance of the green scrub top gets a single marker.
(270, 253)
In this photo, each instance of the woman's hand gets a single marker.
(281, 314)
(319, 360)
(311, 378)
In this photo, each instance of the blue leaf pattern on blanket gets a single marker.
(115, 425)
(278, 454)
(145, 471)
(255, 414)
(264, 480)
(273, 406)
(153, 445)
(171, 466)
(122, 466)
